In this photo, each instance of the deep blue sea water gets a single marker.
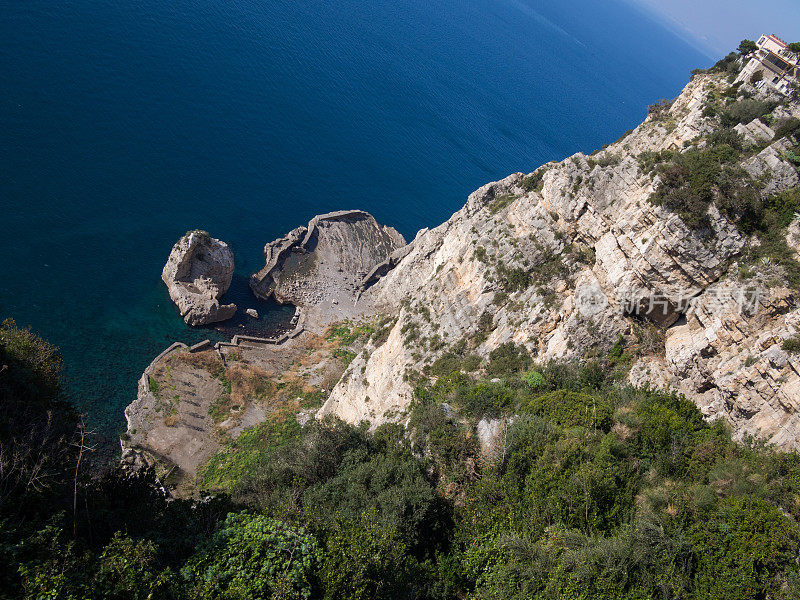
(125, 123)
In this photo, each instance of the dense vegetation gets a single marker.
(589, 490)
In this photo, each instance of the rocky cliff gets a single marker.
(622, 247)
(191, 401)
(669, 256)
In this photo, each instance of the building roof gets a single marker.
(778, 40)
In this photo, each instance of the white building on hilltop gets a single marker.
(773, 65)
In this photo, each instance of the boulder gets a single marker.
(198, 272)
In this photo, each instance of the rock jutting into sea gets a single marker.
(322, 267)
(198, 272)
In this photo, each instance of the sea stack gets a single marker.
(198, 272)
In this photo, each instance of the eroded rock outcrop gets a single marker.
(321, 267)
(198, 272)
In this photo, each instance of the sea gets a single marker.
(125, 123)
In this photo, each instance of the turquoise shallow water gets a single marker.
(126, 123)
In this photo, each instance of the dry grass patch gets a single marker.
(241, 383)
(208, 360)
(248, 382)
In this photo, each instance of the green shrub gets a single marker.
(572, 409)
(130, 569)
(501, 202)
(347, 333)
(534, 181)
(513, 279)
(346, 356)
(450, 362)
(779, 209)
(549, 266)
(485, 400)
(33, 365)
(392, 484)
(792, 344)
(623, 136)
(507, 359)
(668, 421)
(534, 379)
(253, 557)
(747, 47)
(471, 363)
(560, 479)
(726, 137)
(740, 547)
(649, 160)
(500, 298)
(238, 458)
(659, 110)
(561, 376)
(787, 127)
(592, 375)
(745, 111)
(447, 363)
(606, 160)
(450, 445)
(366, 560)
(617, 354)
(769, 220)
(691, 181)
(729, 64)
(410, 331)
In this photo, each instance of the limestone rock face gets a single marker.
(769, 162)
(198, 272)
(732, 364)
(793, 236)
(561, 261)
(321, 267)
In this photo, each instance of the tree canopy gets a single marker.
(747, 47)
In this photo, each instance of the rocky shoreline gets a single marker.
(518, 264)
(315, 268)
(136, 451)
(322, 266)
